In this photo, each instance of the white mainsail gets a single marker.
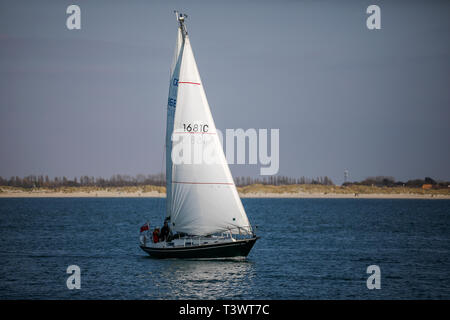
(171, 104)
(202, 197)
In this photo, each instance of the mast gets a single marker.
(171, 106)
(180, 19)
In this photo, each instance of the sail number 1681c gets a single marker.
(195, 127)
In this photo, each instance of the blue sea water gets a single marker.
(310, 249)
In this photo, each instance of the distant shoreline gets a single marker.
(344, 196)
(253, 191)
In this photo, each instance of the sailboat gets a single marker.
(203, 209)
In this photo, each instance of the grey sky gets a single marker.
(93, 101)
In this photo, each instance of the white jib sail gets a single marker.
(203, 197)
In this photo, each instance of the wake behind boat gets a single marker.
(205, 217)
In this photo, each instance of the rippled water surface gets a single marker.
(310, 249)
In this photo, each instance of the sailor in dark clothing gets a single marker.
(165, 232)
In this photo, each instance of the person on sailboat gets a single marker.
(156, 235)
(165, 231)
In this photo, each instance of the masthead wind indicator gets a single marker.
(180, 19)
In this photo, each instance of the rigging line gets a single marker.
(161, 177)
(160, 201)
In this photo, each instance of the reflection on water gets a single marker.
(199, 279)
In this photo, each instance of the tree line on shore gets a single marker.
(123, 180)
(383, 181)
(282, 180)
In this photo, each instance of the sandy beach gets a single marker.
(80, 194)
(156, 194)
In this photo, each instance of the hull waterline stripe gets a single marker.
(186, 182)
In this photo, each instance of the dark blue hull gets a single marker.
(239, 248)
